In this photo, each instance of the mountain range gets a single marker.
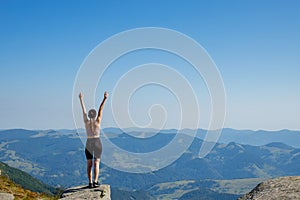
(235, 165)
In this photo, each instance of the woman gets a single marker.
(93, 147)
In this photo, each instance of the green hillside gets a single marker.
(8, 186)
(25, 180)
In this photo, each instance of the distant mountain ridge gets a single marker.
(57, 157)
(261, 137)
(250, 137)
(247, 137)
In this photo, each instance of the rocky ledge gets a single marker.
(83, 192)
(6, 196)
(278, 188)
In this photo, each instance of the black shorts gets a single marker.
(93, 148)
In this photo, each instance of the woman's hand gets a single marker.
(80, 95)
(105, 94)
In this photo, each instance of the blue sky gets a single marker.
(255, 45)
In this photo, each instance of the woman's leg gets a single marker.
(96, 169)
(97, 152)
(89, 164)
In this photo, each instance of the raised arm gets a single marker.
(83, 107)
(101, 107)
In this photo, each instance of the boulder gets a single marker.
(83, 192)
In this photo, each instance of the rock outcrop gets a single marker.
(83, 192)
(6, 196)
(278, 188)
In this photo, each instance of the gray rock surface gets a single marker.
(83, 192)
(6, 196)
(282, 188)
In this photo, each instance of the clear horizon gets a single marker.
(255, 46)
(57, 129)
